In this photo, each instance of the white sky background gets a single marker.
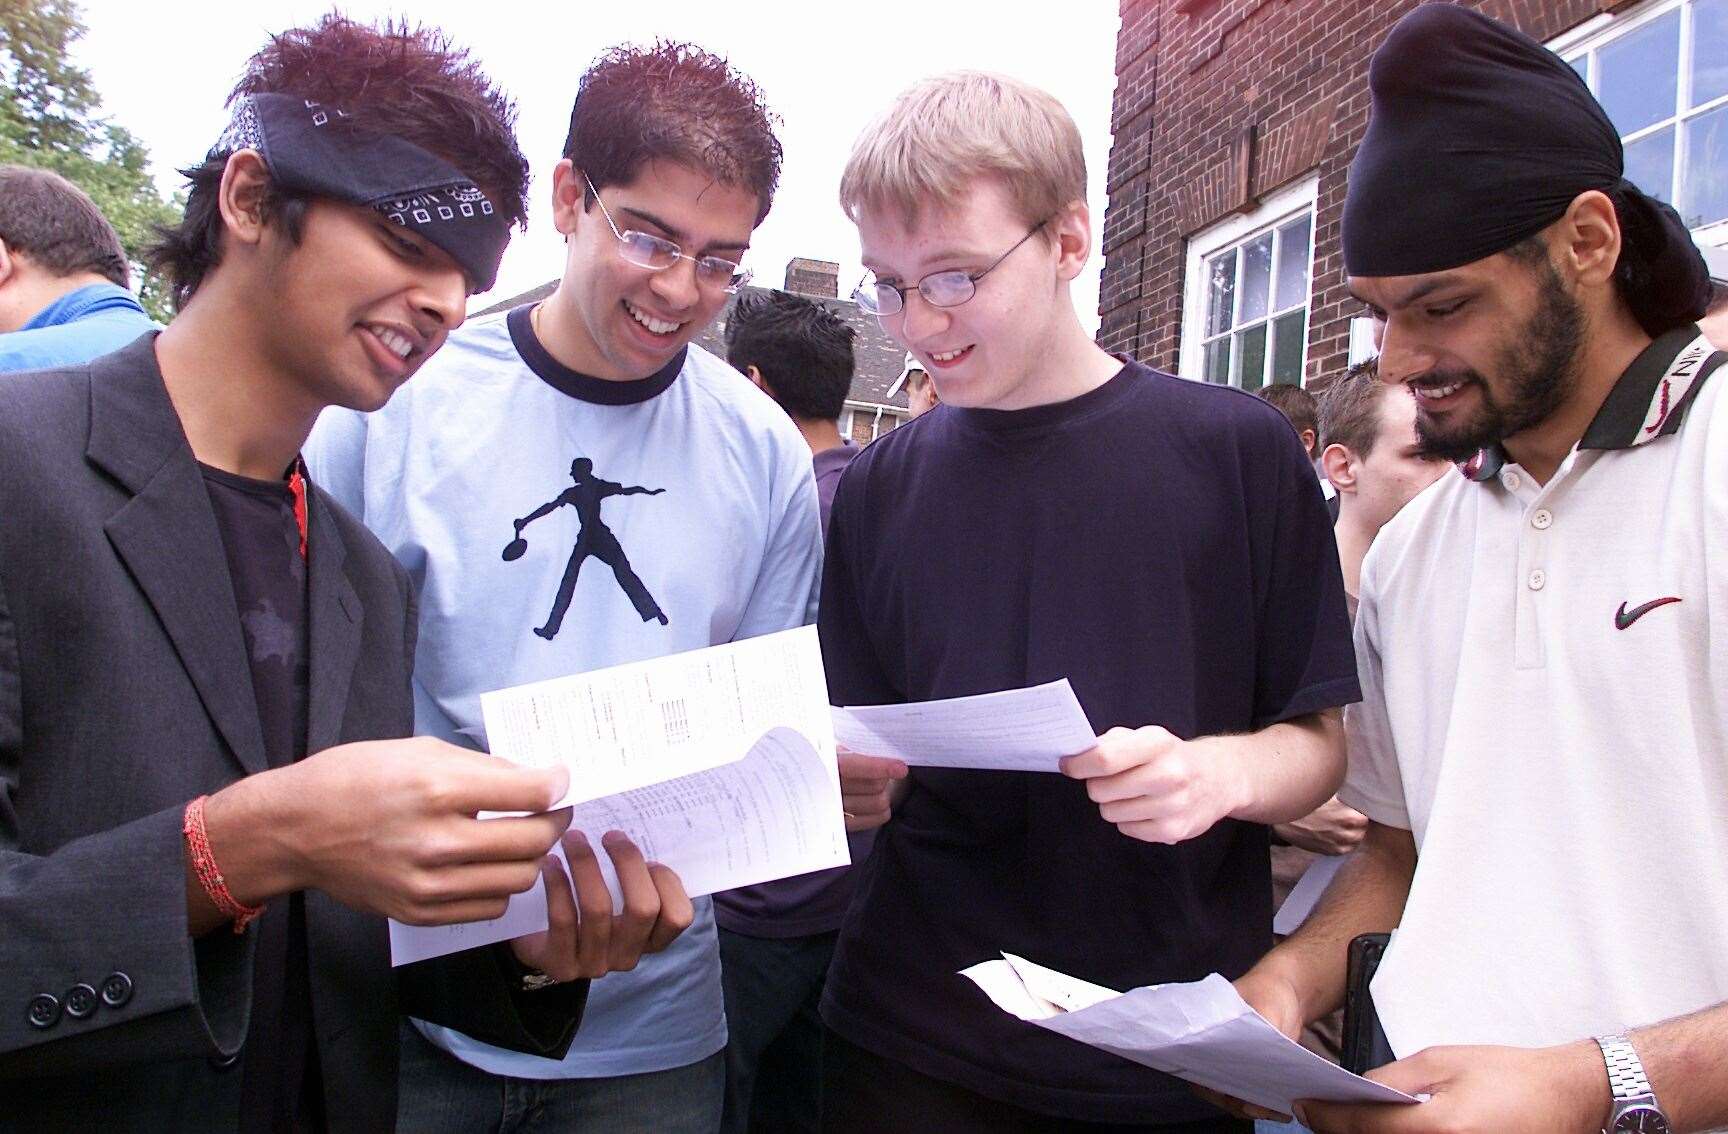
(825, 68)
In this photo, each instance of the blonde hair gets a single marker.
(941, 134)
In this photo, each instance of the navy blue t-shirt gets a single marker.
(1162, 544)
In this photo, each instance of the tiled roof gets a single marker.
(878, 360)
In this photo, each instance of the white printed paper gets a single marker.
(771, 815)
(766, 807)
(525, 914)
(1017, 730)
(1303, 896)
(1202, 1032)
(633, 725)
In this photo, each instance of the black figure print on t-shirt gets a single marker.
(594, 538)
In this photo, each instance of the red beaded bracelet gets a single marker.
(209, 876)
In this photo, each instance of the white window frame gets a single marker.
(1278, 209)
(1602, 30)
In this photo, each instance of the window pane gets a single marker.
(1218, 362)
(1709, 50)
(1704, 189)
(1650, 164)
(1288, 336)
(1256, 278)
(1220, 292)
(1581, 64)
(1251, 358)
(1292, 264)
(1638, 75)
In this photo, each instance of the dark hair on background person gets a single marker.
(1349, 409)
(1294, 403)
(802, 350)
(399, 80)
(677, 102)
(58, 226)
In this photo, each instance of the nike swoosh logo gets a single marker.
(1624, 618)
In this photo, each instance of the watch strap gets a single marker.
(1626, 1076)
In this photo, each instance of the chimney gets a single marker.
(820, 278)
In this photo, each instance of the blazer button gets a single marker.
(44, 1011)
(80, 1001)
(116, 990)
(223, 1062)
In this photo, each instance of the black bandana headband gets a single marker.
(323, 151)
(1480, 137)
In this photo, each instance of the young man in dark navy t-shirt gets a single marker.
(1063, 513)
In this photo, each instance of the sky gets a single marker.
(825, 69)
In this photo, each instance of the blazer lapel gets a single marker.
(167, 537)
(336, 618)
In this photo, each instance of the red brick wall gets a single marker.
(1217, 105)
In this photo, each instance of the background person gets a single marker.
(63, 275)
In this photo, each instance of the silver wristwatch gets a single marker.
(1635, 1108)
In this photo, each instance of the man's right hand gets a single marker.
(1332, 828)
(1275, 999)
(868, 788)
(389, 827)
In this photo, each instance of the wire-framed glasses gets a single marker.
(646, 250)
(939, 289)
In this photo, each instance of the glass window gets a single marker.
(1256, 305)
(1664, 82)
(1638, 75)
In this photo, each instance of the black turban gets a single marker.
(1480, 137)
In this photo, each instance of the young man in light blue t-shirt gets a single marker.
(690, 520)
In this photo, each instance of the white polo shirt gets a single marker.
(1545, 707)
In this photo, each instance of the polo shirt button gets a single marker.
(1538, 579)
(1542, 520)
(80, 1001)
(44, 1011)
(116, 990)
(1511, 480)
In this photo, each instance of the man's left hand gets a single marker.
(584, 938)
(1157, 787)
(1492, 1090)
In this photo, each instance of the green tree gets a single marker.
(51, 117)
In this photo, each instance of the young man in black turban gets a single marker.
(1542, 745)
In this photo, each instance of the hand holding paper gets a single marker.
(1155, 786)
(1202, 1032)
(584, 937)
(768, 808)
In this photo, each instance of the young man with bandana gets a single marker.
(692, 521)
(1162, 544)
(1542, 748)
(203, 819)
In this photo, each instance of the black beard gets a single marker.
(1540, 365)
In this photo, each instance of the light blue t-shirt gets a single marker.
(83, 324)
(690, 519)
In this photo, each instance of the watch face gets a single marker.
(1640, 1120)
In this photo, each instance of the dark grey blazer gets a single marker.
(124, 693)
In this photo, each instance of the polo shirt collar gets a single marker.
(1650, 400)
(1653, 396)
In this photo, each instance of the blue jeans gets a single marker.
(1262, 1126)
(442, 1095)
(774, 1035)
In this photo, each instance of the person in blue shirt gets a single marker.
(690, 487)
(63, 275)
